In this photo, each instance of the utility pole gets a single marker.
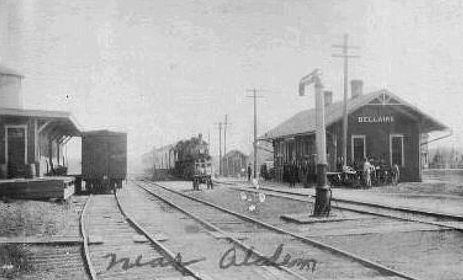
(255, 96)
(322, 206)
(345, 55)
(225, 125)
(220, 148)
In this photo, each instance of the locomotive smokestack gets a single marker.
(10, 88)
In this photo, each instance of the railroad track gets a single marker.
(331, 262)
(130, 237)
(413, 242)
(399, 213)
(120, 248)
(51, 257)
(189, 236)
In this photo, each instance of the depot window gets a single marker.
(358, 147)
(396, 149)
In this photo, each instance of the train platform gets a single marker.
(446, 204)
(59, 187)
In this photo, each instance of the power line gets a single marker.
(346, 56)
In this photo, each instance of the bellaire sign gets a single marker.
(375, 119)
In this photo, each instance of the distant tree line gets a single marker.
(446, 157)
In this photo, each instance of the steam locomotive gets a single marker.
(192, 161)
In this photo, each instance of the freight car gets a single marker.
(104, 160)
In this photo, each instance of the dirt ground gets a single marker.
(38, 218)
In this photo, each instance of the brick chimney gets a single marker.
(356, 88)
(328, 97)
(10, 88)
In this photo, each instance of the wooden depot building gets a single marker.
(31, 145)
(381, 125)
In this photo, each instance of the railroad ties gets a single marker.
(115, 245)
(47, 257)
(320, 261)
(133, 236)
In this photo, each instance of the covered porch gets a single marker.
(31, 152)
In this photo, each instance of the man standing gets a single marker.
(395, 174)
(367, 173)
(249, 172)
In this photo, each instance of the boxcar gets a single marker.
(104, 160)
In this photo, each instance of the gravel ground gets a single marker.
(430, 196)
(39, 218)
(41, 262)
(429, 255)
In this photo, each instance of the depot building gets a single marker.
(381, 125)
(31, 141)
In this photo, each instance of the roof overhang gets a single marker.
(57, 122)
(10, 72)
(303, 123)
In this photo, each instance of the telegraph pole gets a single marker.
(225, 135)
(255, 96)
(345, 55)
(220, 147)
(225, 125)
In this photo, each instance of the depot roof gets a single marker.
(303, 123)
(8, 71)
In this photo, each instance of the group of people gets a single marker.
(371, 169)
(303, 172)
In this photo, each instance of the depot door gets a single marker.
(16, 150)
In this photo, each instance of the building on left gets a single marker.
(31, 141)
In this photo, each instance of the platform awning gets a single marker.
(60, 121)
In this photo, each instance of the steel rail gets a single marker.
(87, 261)
(313, 242)
(287, 195)
(378, 205)
(183, 269)
(215, 228)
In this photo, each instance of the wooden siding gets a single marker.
(377, 140)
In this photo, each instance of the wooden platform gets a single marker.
(38, 188)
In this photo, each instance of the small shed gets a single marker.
(234, 162)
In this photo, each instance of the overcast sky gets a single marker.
(165, 70)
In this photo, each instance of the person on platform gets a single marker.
(395, 174)
(367, 173)
(305, 173)
(249, 172)
(339, 164)
(292, 174)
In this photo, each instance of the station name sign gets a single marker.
(375, 119)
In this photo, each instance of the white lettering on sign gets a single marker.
(375, 119)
